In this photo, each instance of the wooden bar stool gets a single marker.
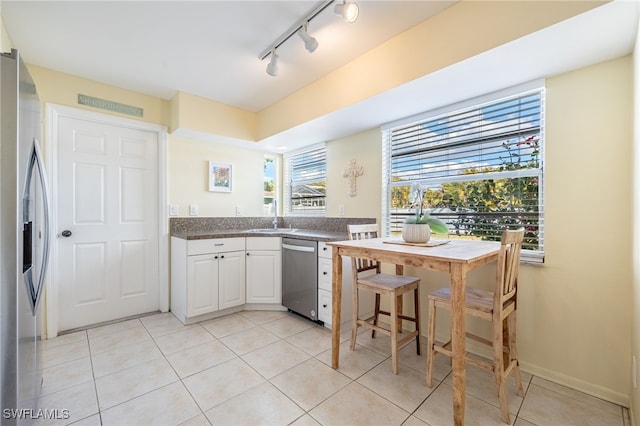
(381, 284)
(498, 307)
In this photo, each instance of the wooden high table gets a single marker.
(457, 257)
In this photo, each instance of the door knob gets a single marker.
(66, 233)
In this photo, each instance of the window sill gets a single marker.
(532, 257)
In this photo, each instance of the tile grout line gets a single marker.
(524, 397)
(93, 376)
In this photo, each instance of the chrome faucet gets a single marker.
(274, 203)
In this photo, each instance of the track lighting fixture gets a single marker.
(272, 68)
(349, 11)
(310, 43)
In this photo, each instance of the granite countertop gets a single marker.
(300, 234)
(305, 228)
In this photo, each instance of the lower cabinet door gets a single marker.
(202, 284)
(231, 279)
(264, 277)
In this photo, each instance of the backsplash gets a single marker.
(203, 224)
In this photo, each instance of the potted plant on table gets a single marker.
(418, 229)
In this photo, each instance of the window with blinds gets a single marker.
(481, 169)
(306, 178)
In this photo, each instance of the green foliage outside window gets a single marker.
(480, 207)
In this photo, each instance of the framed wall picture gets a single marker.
(219, 177)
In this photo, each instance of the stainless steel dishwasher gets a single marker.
(300, 276)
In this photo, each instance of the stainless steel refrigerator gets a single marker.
(24, 241)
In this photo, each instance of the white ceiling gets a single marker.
(211, 48)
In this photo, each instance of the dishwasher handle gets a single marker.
(298, 248)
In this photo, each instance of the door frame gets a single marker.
(54, 112)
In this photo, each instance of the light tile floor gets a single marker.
(273, 368)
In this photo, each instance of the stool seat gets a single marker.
(386, 281)
(476, 299)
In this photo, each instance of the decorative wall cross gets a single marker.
(352, 172)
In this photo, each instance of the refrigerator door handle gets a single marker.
(36, 166)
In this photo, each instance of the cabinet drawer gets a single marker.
(264, 243)
(324, 306)
(324, 273)
(215, 245)
(324, 250)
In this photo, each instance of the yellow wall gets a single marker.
(189, 184)
(5, 40)
(188, 162)
(575, 311)
(574, 318)
(635, 299)
(204, 115)
(365, 148)
(63, 89)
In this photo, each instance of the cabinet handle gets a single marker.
(324, 248)
(324, 306)
(324, 273)
(222, 257)
(218, 244)
(247, 254)
(215, 257)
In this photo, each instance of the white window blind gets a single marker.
(482, 167)
(306, 177)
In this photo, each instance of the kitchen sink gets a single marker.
(271, 230)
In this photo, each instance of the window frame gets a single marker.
(290, 160)
(528, 255)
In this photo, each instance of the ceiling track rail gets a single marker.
(317, 9)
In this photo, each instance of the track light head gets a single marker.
(348, 11)
(310, 43)
(272, 67)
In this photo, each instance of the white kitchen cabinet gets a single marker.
(202, 291)
(231, 279)
(324, 307)
(206, 276)
(325, 271)
(264, 270)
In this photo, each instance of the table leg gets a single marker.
(336, 306)
(458, 283)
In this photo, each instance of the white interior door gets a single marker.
(107, 240)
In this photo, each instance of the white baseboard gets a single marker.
(577, 384)
(556, 377)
